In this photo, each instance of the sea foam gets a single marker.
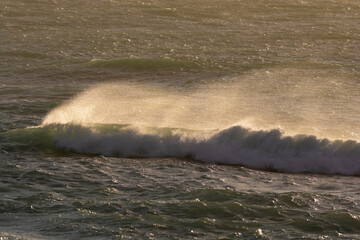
(271, 150)
(126, 120)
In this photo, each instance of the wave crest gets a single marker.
(266, 150)
(236, 145)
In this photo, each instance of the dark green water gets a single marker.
(179, 119)
(76, 197)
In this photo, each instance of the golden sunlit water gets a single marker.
(163, 119)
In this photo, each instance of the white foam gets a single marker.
(235, 145)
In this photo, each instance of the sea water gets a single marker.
(179, 119)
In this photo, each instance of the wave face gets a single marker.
(142, 121)
(267, 150)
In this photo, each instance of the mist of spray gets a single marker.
(293, 100)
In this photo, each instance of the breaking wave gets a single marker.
(266, 150)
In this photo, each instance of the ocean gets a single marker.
(192, 119)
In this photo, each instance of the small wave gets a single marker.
(267, 150)
(149, 64)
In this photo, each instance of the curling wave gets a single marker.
(267, 150)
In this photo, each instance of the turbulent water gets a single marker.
(179, 119)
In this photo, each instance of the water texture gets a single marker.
(179, 119)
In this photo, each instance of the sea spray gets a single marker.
(269, 99)
(218, 81)
(214, 125)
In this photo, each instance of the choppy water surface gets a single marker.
(99, 197)
(179, 119)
